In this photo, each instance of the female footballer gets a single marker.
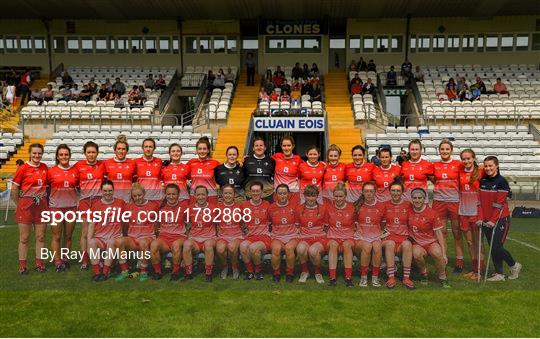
(120, 170)
(175, 172)
(260, 167)
(385, 174)
(229, 231)
(415, 171)
(333, 174)
(148, 171)
(201, 170)
(358, 172)
(311, 172)
(286, 168)
(231, 173)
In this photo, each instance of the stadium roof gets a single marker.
(270, 9)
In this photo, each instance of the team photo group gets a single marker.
(310, 213)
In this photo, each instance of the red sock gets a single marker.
(124, 267)
(304, 267)
(234, 266)
(39, 262)
(188, 269)
(208, 269)
(106, 270)
(348, 273)
(332, 273)
(317, 269)
(58, 262)
(459, 262)
(363, 271)
(249, 267)
(390, 271)
(96, 269)
(406, 272)
(277, 271)
(175, 268)
(258, 268)
(157, 268)
(289, 271)
(22, 263)
(85, 258)
(375, 272)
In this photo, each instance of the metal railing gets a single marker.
(201, 92)
(57, 72)
(451, 113)
(534, 131)
(168, 92)
(289, 112)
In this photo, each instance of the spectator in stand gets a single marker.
(220, 71)
(480, 85)
(210, 80)
(66, 93)
(274, 96)
(9, 93)
(119, 87)
(118, 101)
(85, 94)
(462, 88)
(285, 87)
(278, 77)
(296, 72)
(368, 87)
(229, 77)
(160, 83)
(142, 94)
(371, 67)
(296, 92)
(500, 87)
(305, 71)
(92, 86)
(67, 79)
(375, 159)
(306, 87)
(48, 94)
(406, 69)
(263, 96)
(418, 74)
(401, 157)
(250, 69)
(111, 96)
(24, 87)
(134, 96)
(267, 82)
(149, 82)
(285, 96)
(314, 71)
(391, 77)
(352, 66)
(219, 82)
(451, 91)
(279, 71)
(356, 86)
(108, 85)
(102, 93)
(475, 94)
(37, 95)
(75, 92)
(316, 94)
(353, 80)
(362, 65)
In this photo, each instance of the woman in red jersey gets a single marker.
(202, 233)
(202, 170)
(368, 234)
(256, 225)
(446, 196)
(313, 241)
(425, 229)
(29, 195)
(63, 181)
(148, 171)
(311, 172)
(171, 233)
(140, 230)
(106, 233)
(333, 174)
(470, 216)
(229, 230)
(358, 172)
(341, 221)
(176, 172)
(415, 171)
(385, 174)
(396, 213)
(284, 233)
(120, 170)
(91, 172)
(286, 168)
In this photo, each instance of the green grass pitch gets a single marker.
(69, 304)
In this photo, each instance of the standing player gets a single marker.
(494, 191)
(231, 173)
(470, 217)
(120, 170)
(333, 174)
(385, 174)
(446, 196)
(202, 170)
(358, 172)
(311, 172)
(91, 172)
(258, 241)
(415, 171)
(29, 195)
(313, 241)
(368, 235)
(105, 235)
(175, 172)
(284, 233)
(229, 230)
(148, 171)
(140, 232)
(260, 167)
(425, 228)
(286, 170)
(340, 217)
(202, 233)
(63, 181)
(396, 214)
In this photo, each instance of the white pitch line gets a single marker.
(524, 244)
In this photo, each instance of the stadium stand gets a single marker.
(193, 76)
(9, 143)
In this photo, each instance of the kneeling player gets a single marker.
(258, 241)
(105, 235)
(202, 233)
(313, 239)
(426, 231)
(141, 231)
(172, 233)
(229, 231)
